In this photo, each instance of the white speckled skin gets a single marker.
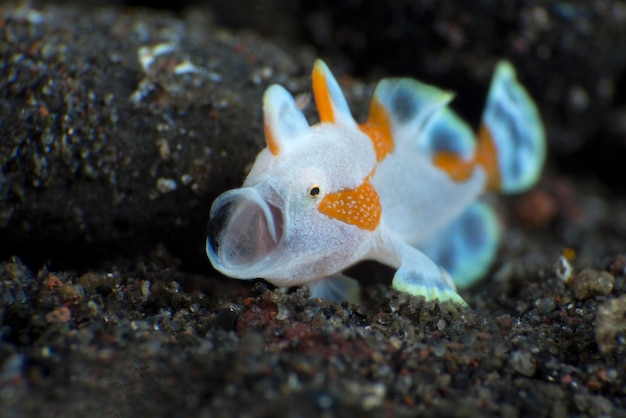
(274, 227)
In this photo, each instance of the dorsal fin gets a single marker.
(510, 143)
(452, 144)
(283, 120)
(447, 132)
(378, 128)
(511, 122)
(331, 103)
(455, 150)
(400, 110)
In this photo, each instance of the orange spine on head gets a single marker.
(322, 95)
(270, 140)
(360, 206)
(378, 128)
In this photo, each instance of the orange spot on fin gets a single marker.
(270, 140)
(378, 128)
(485, 154)
(456, 167)
(360, 206)
(322, 95)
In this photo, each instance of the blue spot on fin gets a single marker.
(448, 133)
(517, 131)
(467, 247)
(411, 105)
(336, 288)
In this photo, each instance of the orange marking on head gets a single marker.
(487, 156)
(322, 95)
(378, 128)
(270, 140)
(360, 206)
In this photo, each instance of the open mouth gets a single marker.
(244, 229)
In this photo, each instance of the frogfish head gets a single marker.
(307, 206)
(287, 223)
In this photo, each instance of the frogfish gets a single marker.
(403, 188)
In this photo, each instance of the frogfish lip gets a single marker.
(246, 226)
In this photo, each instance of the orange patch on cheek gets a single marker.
(378, 128)
(322, 96)
(360, 206)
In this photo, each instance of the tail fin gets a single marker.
(511, 143)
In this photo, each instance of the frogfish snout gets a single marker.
(245, 227)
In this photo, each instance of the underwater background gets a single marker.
(109, 162)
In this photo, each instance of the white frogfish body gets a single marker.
(402, 188)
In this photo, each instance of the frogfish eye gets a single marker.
(314, 190)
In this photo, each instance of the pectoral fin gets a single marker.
(417, 274)
(337, 288)
(467, 247)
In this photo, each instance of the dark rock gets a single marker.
(610, 328)
(589, 283)
(95, 161)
